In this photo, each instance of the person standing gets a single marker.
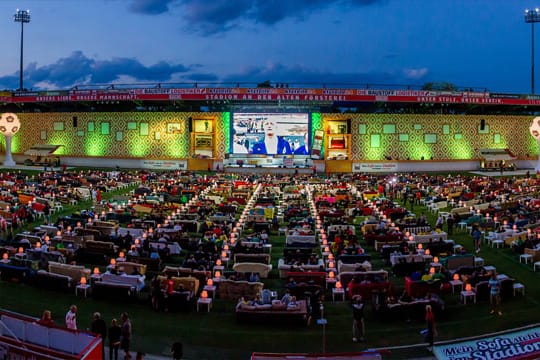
(477, 236)
(495, 294)
(71, 318)
(126, 332)
(358, 329)
(98, 326)
(430, 327)
(114, 339)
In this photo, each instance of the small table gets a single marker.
(210, 289)
(490, 268)
(468, 294)
(478, 261)
(519, 287)
(456, 283)
(330, 282)
(526, 258)
(82, 289)
(497, 244)
(95, 278)
(205, 301)
(339, 292)
(219, 268)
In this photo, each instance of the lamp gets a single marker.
(330, 256)
(338, 285)
(121, 254)
(331, 265)
(428, 252)
(331, 275)
(96, 271)
(113, 262)
(210, 282)
(38, 245)
(326, 249)
(226, 247)
(432, 270)
(58, 233)
(456, 277)
(468, 287)
(217, 275)
(4, 256)
(204, 294)
(420, 246)
(436, 259)
(21, 250)
(218, 262)
(83, 280)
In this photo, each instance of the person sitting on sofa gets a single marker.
(293, 304)
(286, 297)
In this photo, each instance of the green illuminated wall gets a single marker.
(166, 135)
(439, 136)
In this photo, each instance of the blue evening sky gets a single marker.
(470, 43)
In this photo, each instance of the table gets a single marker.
(519, 287)
(205, 301)
(82, 289)
(211, 289)
(338, 292)
(497, 243)
(468, 294)
(478, 261)
(490, 268)
(526, 258)
(456, 283)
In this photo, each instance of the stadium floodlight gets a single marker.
(22, 16)
(532, 16)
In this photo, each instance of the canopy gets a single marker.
(497, 154)
(42, 150)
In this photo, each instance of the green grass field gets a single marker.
(216, 335)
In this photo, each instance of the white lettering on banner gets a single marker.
(374, 167)
(515, 345)
(164, 164)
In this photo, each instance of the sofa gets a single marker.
(128, 267)
(234, 290)
(346, 267)
(273, 314)
(284, 268)
(534, 252)
(75, 272)
(252, 258)
(52, 281)
(135, 281)
(190, 284)
(201, 275)
(247, 267)
(16, 273)
(113, 291)
(152, 264)
(419, 288)
(456, 261)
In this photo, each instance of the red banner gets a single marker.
(270, 94)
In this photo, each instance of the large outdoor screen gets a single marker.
(270, 134)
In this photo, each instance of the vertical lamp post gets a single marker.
(22, 16)
(9, 125)
(531, 17)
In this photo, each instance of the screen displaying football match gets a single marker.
(270, 134)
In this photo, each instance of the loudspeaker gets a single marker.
(74, 121)
(482, 124)
(190, 125)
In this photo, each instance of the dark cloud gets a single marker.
(216, 16)
(150, 7)
(80, 69)
(300, 75)
(202, 77)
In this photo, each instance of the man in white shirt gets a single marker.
(71, 318)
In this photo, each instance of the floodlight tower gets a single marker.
(22, 16)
